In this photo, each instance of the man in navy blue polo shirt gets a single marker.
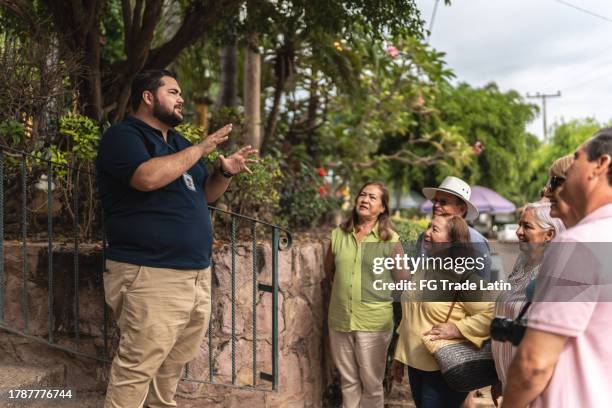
(154, 190)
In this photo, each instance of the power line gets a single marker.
(606, 72)
(584, 10)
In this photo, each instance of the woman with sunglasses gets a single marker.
(558, 207)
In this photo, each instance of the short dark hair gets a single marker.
(148, 80)
(599, 145)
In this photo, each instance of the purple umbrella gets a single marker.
(486, 200)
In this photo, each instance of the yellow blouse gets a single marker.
(473, 319)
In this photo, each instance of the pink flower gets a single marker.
(478, 147)
(392, 51)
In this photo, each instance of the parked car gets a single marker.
(507, 233)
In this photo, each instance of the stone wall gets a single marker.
(302, 362)
(90, 290)
(305, 378)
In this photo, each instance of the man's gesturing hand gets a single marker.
(237, 162)
(210, 143)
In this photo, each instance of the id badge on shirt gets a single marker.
(188, 179)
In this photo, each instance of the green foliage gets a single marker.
(302, 203)
(566, 139)
(191, 132)
(57, 157)
(257, 193)
(224, 115)
(12, 133)
(313, 20)
(410, 229)
(84, 134)
(386, 127)
(498, 119)
(221, 117)
(112, 33)
(195, 67)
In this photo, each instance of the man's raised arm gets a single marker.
(160, 171)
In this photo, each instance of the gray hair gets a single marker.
(541, 211)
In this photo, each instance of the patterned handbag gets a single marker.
(464, 366)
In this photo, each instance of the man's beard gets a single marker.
(167, 117)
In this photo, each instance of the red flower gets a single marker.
(322, 191)
(321, 171)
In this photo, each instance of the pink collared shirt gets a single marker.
(583, 374)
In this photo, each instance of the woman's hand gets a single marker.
(445, 331)
(397, 369)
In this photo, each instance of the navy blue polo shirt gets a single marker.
(166, 228)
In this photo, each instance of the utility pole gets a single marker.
(544, 97)
(431, 23)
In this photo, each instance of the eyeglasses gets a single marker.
(443, 202)
(554, 183)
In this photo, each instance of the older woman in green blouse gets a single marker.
(360, 330)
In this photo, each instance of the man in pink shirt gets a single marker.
(565, 357)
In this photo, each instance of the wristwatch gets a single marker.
(225, 173)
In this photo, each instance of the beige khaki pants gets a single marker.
(361, 357)
(162, 316)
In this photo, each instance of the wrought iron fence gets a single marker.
(17, 175)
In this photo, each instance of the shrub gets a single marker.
(409, 229)
(302, 201)
(191, 132)
(12, 133)
(58, 158)
(84, 134)
(257, 194)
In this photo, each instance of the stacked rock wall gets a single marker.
(304, 363)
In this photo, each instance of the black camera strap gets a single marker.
(523, 310)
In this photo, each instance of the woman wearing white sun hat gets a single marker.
(452, 197)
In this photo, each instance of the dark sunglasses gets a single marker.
(555, 182)
(444, 202)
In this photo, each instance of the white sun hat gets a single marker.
(456, 187)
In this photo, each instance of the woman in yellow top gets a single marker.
(360, 329)
(468, 320)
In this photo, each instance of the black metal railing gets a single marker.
(66, 283)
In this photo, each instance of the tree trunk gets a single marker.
(228, 94)
(252, 94)
(283, 69)
(93, 84)
(201, 106)
(313, 106)
(78, 26)
(273, 116)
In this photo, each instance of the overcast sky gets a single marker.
(531, 46)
